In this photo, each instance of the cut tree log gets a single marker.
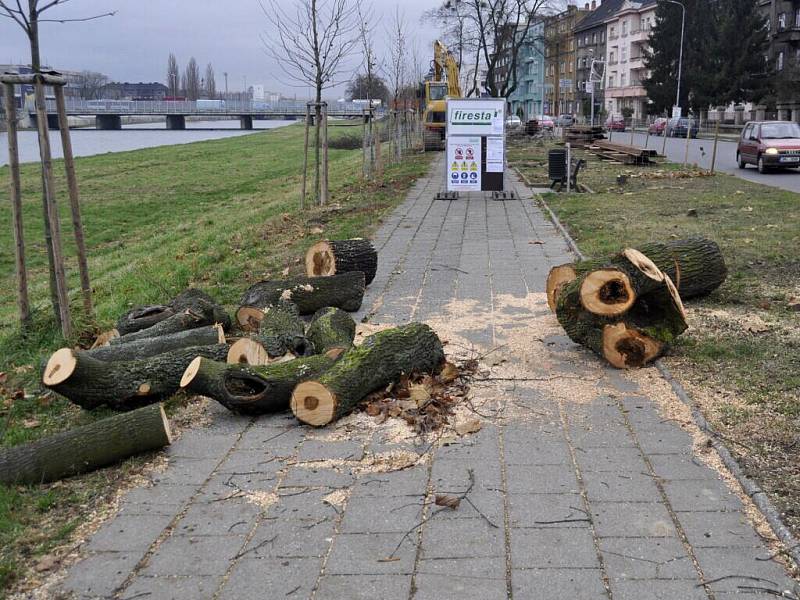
(145, 347)
(631, 338)
(379, 361)
(143, 317)
(345, 291)
(123, 385)
(331, 329)
(695, 265)
(86, 448)
(202, 314)
(281, 334)
(252, 389)
(330, 257)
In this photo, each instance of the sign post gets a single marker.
(475, 144)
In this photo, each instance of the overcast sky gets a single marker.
(134, 44)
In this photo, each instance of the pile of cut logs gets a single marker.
(628, 307)
(267, 359)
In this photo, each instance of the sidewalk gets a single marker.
(582, 482)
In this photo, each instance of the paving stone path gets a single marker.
(597, 499)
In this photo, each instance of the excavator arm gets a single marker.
(445, 84)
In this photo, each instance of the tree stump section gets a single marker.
(252, 389)
(652, 318)
(331, 329)
(202, 314)
(345, 291)
(330, 257)
(281, 333)
(379, 361)
(146, 347)
(86, 448)
(695, 265)
(123, 385)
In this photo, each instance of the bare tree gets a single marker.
(310, 42)
(397, 73)
(29, 18)
(90, 84)
(211, 82)
(192, 80)
(173, 75)
(459, 33)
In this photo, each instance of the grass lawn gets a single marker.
(740, 359)
(218, 215)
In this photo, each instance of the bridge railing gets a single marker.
(189, 107)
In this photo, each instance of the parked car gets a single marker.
(565, 121)
(615, 123)
(677, 126)
(513, 121)
(545, 122)
(769, 144)
(657, 127)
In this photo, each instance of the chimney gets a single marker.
(594, 4)
(586, 6)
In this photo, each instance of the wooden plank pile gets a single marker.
(267, 359)
(628, 307)
(623, 153)
(583, 135)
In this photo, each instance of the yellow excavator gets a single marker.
(445, 84)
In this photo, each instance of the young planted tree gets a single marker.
(310, 41)
(372, 86)
(173, 75)
(29, 18)
(397, 72)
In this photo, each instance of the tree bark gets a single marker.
(251, 389)
(86, 448)
(146, 347)
(342, 256)
(143, 317)
(200, 315)
(124, 385)
(695, 265)
(379, 361)
(331, 329)
(345, 291)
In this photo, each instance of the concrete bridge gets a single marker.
(108, 113)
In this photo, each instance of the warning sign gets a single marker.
(464, 164)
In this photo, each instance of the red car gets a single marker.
(615, 123)
(769, 144)
(657, 127)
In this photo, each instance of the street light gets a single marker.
(680, 52)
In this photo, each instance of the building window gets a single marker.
(625, 27)
(797, 18)
(624, 52)
(781, 21)
(622, 79)
(780, 61)
(570, 66)
(613, 30)
(586, 40)
(594, 38)
(602, 36)
(562, 66)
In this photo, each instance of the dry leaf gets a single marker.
(755, 324)
(447, 500)
(316, 230)
(468, 426)
(419, 393)
(47, 563)
(285, 272)
(449, 373)
(30, 423)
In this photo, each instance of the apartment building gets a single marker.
(590, 41)
(527, 99)
(560, 87)
(783, 55)
(627, 32)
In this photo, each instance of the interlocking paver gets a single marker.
(552, 510)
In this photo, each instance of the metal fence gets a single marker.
(190, 107)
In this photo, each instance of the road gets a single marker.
(700, 153)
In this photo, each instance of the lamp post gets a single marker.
(680, 52)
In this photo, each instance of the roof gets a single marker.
(603, 12)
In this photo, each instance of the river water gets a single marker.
(89, 141)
